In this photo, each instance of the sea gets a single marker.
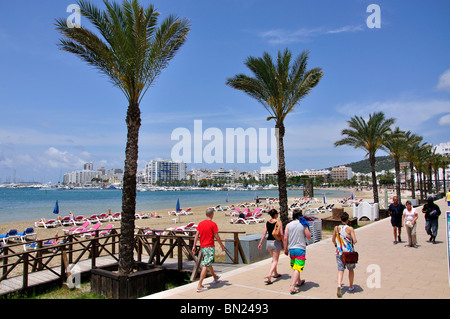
(32, 204)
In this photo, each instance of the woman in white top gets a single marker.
(410, 217)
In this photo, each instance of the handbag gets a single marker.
(350, 257)
(277, 231)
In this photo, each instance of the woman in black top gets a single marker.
(272, 245)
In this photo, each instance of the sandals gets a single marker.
(202, 289)
(295, 291)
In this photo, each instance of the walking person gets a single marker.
(410, 217)
(432, 213)
(396, 211)
(273, 245)
(295, 245)
(344, 239)
(448, 197)
(207, 230)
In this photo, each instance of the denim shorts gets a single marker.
(342, 266)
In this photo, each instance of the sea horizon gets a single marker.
(29, 204)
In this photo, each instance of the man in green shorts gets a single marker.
(207, 230)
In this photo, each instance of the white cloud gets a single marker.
(444, 81)
(61, 159)
(409, 114)
(445, 120)
(280, 36)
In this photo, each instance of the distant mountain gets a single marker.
(382, 163)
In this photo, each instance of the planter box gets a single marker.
(249, 245)
(146, 280)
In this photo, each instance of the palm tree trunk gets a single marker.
(419, 171)
(412, 180)
(374, 178)
(397, 179)
(281, 174)
(443, 178)
(126, 243)
(430, 180)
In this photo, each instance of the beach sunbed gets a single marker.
(116, 216)
(67, 221)
(234, 212)
(10, 235)
(93, 218)
(102, 232)
(104, 217)
(46, 224)
(82, 232)
(28, 233)
(141, 216)
(77, 228)
(80, 220)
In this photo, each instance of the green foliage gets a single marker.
(385, 163)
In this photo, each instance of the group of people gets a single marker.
(407, 217)
(294, 245)
(292, 240)
(294, 236)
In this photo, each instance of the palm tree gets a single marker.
(131, 50)
(445, 162)
(368, 136)
(395, 144)
(412, 145)
(279, 88)
(421, 166)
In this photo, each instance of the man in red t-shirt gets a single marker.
(207, 231)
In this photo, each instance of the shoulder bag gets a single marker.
(277, 231)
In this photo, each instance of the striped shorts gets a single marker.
(297, 259)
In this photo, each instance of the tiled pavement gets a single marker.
(385, 270)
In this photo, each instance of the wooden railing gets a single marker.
(21, 259)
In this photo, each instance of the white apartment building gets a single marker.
(341, 173)
(164, 170)
(315, 173)
(85, 176)
(81, 177)
(444, 149)
(266, 174)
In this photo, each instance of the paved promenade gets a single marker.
(385, 270)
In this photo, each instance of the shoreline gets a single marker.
(198, 215)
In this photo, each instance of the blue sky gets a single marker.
(57, 112)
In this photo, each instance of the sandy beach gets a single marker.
(198, 214)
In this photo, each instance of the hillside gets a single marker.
(382, 163)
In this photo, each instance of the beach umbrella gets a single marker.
(178, 205)
(324, 199)
(56, 209)
(352, 196)
(226, 199)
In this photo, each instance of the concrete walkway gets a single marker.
(385, 270)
